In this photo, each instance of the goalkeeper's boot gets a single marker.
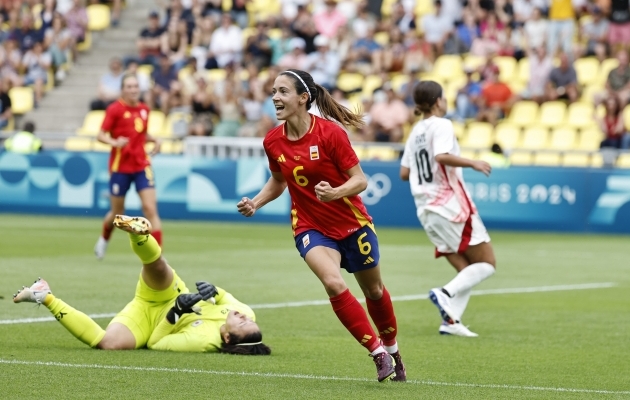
(401, 374)
(384, 366)
(34, 294)
(135, 225)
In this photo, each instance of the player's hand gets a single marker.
(207, 291)
(246, 207)
(120, 142)
(325, 192)
(482, 167)
(184, 304)
(157, 145)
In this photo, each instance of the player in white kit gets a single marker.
(433, 167)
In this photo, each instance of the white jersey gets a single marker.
(435, 187)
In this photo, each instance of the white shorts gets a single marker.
(453, 237)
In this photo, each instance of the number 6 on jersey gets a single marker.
(300, 179)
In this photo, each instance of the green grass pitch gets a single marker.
(566, 344)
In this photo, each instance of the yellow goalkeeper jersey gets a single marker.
(198, 333)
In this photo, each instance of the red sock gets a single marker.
(382, 313)
(158, 237)
(353, 317)
(107, 230)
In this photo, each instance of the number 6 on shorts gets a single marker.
(364, 247)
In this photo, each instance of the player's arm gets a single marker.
(157, 144)
(104, 136)
(452, 160)
(405, 160)
(271, 191)
(404, 173)
(353, 186)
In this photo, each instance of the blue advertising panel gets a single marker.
(555, 199)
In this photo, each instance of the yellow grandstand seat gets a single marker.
(580, 115)
(91, 123)
(521, 158)
(356, 101)
(398, 81)
(448, 66)
(587, 70)
(274, 33)
(86, 44)
(507, 135)
(576, 160)
(371, 83)
(589, 92)
(156, 123)
(535, 137)
(382, 153)
(623, 161)
(360, 151)
(607, 66)
(98, 146)
(382, 38)
(507, 68)
(432, 76)
(478, 135)
(423, 7)
(78, 144)
(459, 130)
(98, 17)
(552, 113)
(183, 73)
(171, 147)
(22, 99)
(547, 159)
(562, 138)
(216, 74)
(247, 32)
(590, 139)
(386, 7)
(516, 87)
(597, 161)
(350, 81)
(176, 118)
(523, 113)
(473, 61)
(522, 74)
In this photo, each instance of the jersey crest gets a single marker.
(314, 153)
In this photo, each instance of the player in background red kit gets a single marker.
(313, 157)
(125, 129)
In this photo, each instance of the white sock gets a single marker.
(379, 350)
(391, 349)
(459, 302)
(469, 277)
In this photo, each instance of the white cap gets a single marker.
(297, 43)
(320, 40)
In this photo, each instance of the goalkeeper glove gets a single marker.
(184, 304)
(207, 291)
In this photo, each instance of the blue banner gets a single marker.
(532, 198)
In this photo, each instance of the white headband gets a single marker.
(303, 83)
(248, 344)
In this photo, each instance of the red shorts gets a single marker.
(619, 33)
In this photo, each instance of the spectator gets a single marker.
(437, 28)
(496, 99)
(536, 30)
(36, 63)
(109, 86)
(204, 109)
(468, 31)
(562, 82)
(304, 27)
(342, 43)
(363, 22)
(328, 22)
(47, 14)
(618, 81)
(523, 11)
(149, 43)
(10, 62)
(418, 54)
(239, 13)
(619, 32)
(561, 27)
(290, 9)
(202, 37)
(595, 33)
(166, 86)
(365, 55)
(258, 47)
(178, 12)
(280, 46)
(24, 142)
(612, 125)
(323, 64)
(485, 46)
(174, 43)
(58, 40)
(388, 115)
(227, 42)
(251, 108)
(230, 113)
(394, 53)
(296, 58)
(467, 100)
(77, 22)
(6, 112)
(406, 90)
(540, 66)
(26, 36)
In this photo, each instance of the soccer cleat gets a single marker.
(135, 225)
(34, 294)
(100, 248)
(385, 369)
(456, 329)
(443, 304)
(401, 373)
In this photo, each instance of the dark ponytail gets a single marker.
(248, 345)
(425, 95)
(329, 107)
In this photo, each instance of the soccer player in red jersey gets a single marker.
(125, 129)
(313, 157)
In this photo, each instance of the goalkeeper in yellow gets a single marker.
(163, 314)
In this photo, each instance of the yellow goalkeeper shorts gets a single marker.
(148, 307)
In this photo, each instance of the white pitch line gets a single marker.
(411, 297)
(303, 376)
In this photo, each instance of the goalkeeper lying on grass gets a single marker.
(163, 315)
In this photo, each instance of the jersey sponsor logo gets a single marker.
(314, 150)
(378, 187)
(59, 316)
(281, 158)
(306, 241)
(196, 323)
(353, 230)
(369, 260)
(127, 114)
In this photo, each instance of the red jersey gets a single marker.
(129, 121)
(323, 154)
